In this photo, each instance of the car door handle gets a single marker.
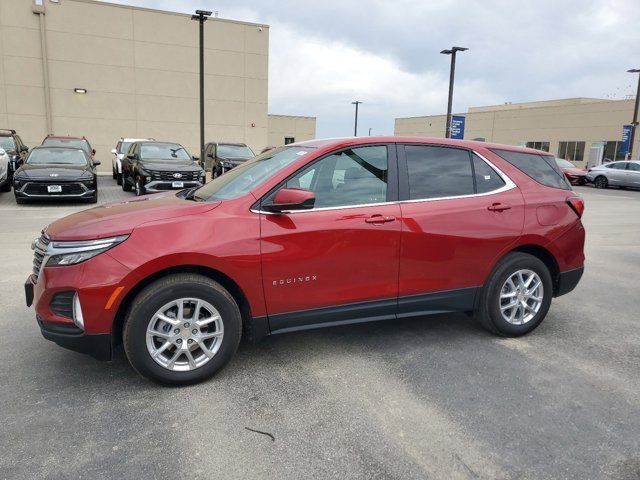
(379, 219)
(498, 207)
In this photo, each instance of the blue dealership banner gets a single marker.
(626, 138)
(457, 127)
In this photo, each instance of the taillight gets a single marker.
(577, 205)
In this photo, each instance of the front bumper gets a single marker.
(99, 346)
(80, 190)
(577, 179)
(156, 186)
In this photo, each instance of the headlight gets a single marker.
(71, 253)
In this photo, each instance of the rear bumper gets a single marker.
(568, 280)
(96, 345)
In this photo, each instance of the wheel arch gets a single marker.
(544, 255)
(227, 282)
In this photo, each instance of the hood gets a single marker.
(121, 218)
(574, 171)
(52, 171)
(170, 165)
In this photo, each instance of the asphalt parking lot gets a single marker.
(436, 397)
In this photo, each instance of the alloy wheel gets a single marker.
(184, 334)
(521, 297)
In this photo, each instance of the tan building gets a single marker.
(140, 71)
(578, 129)
(284, 129)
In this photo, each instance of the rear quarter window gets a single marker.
(542, 168)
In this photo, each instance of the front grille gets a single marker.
(169, 176)
(62, 304)
(41, 189)
(39, 251)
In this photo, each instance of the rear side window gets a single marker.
(436, 172)
(542, 168)
(487, 179)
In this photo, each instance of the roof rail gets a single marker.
(11, 130)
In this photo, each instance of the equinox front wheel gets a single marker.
(182, 329)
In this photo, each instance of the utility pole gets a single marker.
(201, 17)
(634, 125)
(452, 72)
(355, 127)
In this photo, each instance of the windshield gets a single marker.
(7, 143)
(67, 142)
(249, 175)
(234, 151)
(56, 156)
(564, 163)
(163, 151)
(124, 147)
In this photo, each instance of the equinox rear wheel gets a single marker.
(516, 296)
(182, 329)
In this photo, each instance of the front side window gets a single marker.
(617, 165)
(56, 156)
(163, 151)
(436, 172)
(542, 168)
(247, 176)
(123, 147)
(67, 142)
(357, 176)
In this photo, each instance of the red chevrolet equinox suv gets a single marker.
(313, 234)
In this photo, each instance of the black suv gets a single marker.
(151, 167)
(17, 151)
(221, 156)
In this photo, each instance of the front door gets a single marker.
(633, 175)
(336, 263)
(458, 214)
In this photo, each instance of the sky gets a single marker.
(325, 54)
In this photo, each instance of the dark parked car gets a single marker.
(54, 173)
(72, 142)
(222, 157)
(151, 167)
(17, 151)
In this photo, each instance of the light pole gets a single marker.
(355, 127)
(369, 131)
(634, 125)
(201, 16)
(452, 73)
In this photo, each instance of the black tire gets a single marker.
(163, 291)
(114, 173)
(119, 178)
(125, 184)
(6, 187)
(601, 182)
(488, 311)
(20, 201)
(94, 199)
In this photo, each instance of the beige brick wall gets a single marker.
(140, 68)
(300, 128)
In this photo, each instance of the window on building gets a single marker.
(612, 151)
(544, 146)
(288, 140)
(572, 151)
(436, 172)
(542, 168)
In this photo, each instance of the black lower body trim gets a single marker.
(459, 300)
(568, 280)
(97, 345)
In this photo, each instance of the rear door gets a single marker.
(459, 214)
(616, 173)
(633, 175)
(339, 261)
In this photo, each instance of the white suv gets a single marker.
(118, 154)
(5, 183)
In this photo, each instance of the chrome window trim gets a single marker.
(508, 185)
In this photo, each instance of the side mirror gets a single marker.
(2, 152)
(93, 151)
(210, 155)
(131, 156)
(291, 199)
(195, 158)
(114, 151)
(96, 163)
(24, 148)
